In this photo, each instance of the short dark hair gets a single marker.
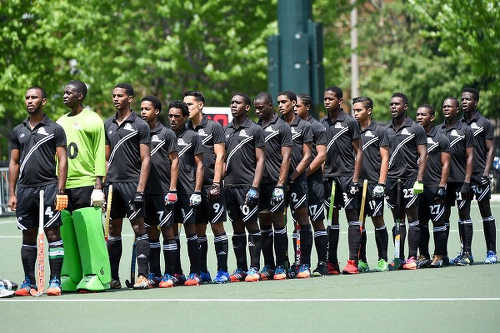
(246, 99)
(196, 94)
(306, 99)
(402, 96)
(265, 96)
(473, 91)
(336, 90)
(290, 94)
(428, 107)
(179, 105)
(44, 95)
(154, 100)
(80, 87)
(367, 101)
(453, 99)
(128, 88)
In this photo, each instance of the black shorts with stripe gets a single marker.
(481, 192)
(235, 203)
(408, 199)
(266, 193)
(316, 198)
(210, 211)
(28, 204)
(157, 213)
(296, 196)
(373, 206)
(183, 212)
(79, 197)
(428, 207)
(342, 197)
(453, 195)
(122, 204)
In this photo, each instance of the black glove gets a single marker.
(138, 200)
(465, 191)
(485, 181)
(354, 188)
(252, 197)
(214, 192)
(440, 194)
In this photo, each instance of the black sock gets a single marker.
(178, 264)
(295, 235)
(461, 233)
(170, 252)
(468, 232)
(321, 244)
(354, 239)
(254, 247)
(154, 257)
(28, 257)
(447, 225)
(221, 249)
(439, 234)
(267, 246)
(281, 246)
(115, 254)
(423, 245)
(333, 242)
(306, 240)
(202, 240)
(142, 247)
(362, 247)
(413, 238)
(240, 250)
(490, 233)
(382, 240)
(56, 255)
(193, 253)
(402, 230)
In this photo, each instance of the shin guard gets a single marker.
(71, 272)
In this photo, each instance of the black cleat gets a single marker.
(321, 269)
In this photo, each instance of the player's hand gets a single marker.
(195, 199)
(61, 201)
(441, 194)
(485, 181)
(12, 203)
(214, 192)
(97, 198)
(379, 191)
(138, 200)
(252, 197)
(354, 188)
(171, 197)
(465, 191)
(278, 195)
(418, 187)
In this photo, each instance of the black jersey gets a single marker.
(124, 163)
(403, 142)
(37, 151)
(340, 154)
(460, 137)
(277, 134)
(319, 138)
(188, 146)
(163, 142)
(372, 138)
(482, 129)
(211, 133)
(301, 134)
(437, 143)
(241, 160)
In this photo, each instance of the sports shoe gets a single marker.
(291, 273)
(54, 287)
(304, 272)
(142, 282)
(382, 266)
(363, 266)
(423, 262)
(115, 284)
(26, 286)
(321, 269)
(252, 275)
(280, 273)
(192, 280)
(491, 258)
(266, 273)
(465, 259)
(4, 293)
(457, 258)
(222, 277)
(167, 281)
(351, 267)
(154, 280)
(205, 277)
(437, 262)
(333, 268)
(179, 279)
(238, 275)
(396, 264)
(410, 264)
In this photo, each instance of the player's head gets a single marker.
(362, 108)
(450, 108)
(123, 96)
(74, 93)
(263, 104)
(469, 100)
(303, 106)
(178, 114)
(150, 108)
(286, 102)
(195, 102)
(240, 105)
(332, 98)
(35, 99)
(425, 115)
(398, 104)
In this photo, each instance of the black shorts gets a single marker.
(122, 204)
(183, 212)
(157, 213)
(266, 193)
(373, 206)
(79, 197)
(453, 194)
(28, 204)
(481, 192)
(211, 211)
(315, 198)
(428, 207)
(342, 198)
(235, 202)
(296, 196)
(408, 199)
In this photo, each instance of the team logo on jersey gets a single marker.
(110, 132)
(405, 132)
(430, 141)
(338, 125)
(77, 126)
(454, 133)
(21, 136)
(269, 129)
(369, 133)
(128, 127)
(243, 133)
(181, 142)
(474, 125)
(202, 132)
(155, 138)
(42, 131)
(294, 131)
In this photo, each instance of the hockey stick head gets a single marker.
(129, 284)
(36, 293)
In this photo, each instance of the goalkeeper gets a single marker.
(86, 262)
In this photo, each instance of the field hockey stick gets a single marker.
(330, 208)
(40, 251)
(108, 212)
(130, 284)
(297, 243)
(397, 233)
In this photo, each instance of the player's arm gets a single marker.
(219, 151)
(469, 161)
(13, 175)
(359, 159)
(422, 161)
(62, 162)
(174, 170)
(285, 165)
(260, 156)
(198, 161)
(100, 154)
(107, 150)
(445, 168)
(145, 167)
(489, 156)
(384, 164)
(318, 161)
(304, 162)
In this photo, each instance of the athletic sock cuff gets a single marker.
(438, 229)
(354, 223)
(220, 238)
(154, 245)
(413, 224)
(142, 237)
(280, 231)
(334, 227)
(170, 247)
(320, 233)
(381, 228)
(114, 238)
(489, 219)
(192, 238)
(202, 239)
(30, 246)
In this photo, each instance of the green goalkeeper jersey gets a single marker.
(86, 154)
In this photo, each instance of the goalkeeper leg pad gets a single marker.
(71, 272)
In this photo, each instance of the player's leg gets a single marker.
(250, 215)
(316, 197)
(118, 211)
(483, 195)
(221, 245)
(234, 197)
(351, 205)
(398, 214)
(334, 227)
(465, 222)
(266, 228)
(411, 210)
(204, 212)
(375, 209)
(170, 254)
(193, 249)
(437, 215)
(153, 215)
(299, 204)
(71, 271)
(426, 207)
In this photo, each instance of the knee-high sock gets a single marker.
(468, 232)
(362, 247)
(306, 240)
(295, 235)
(447, 225)
(240, 250)
(142, 246)
(28, 257)
(281, 246)
(154, 257)
(178, 268)
(490, 233)
(354, 239)
(439, 234)
(413, 238)
(202, 240)
(194, 253)
(221, 248)
(423, 245)
(333, 242)
(461, 233)
(115, 254)
(56, 255)
(267, 246)
(382, 240)
(170, 252)
(254, 247)
(321, 244)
